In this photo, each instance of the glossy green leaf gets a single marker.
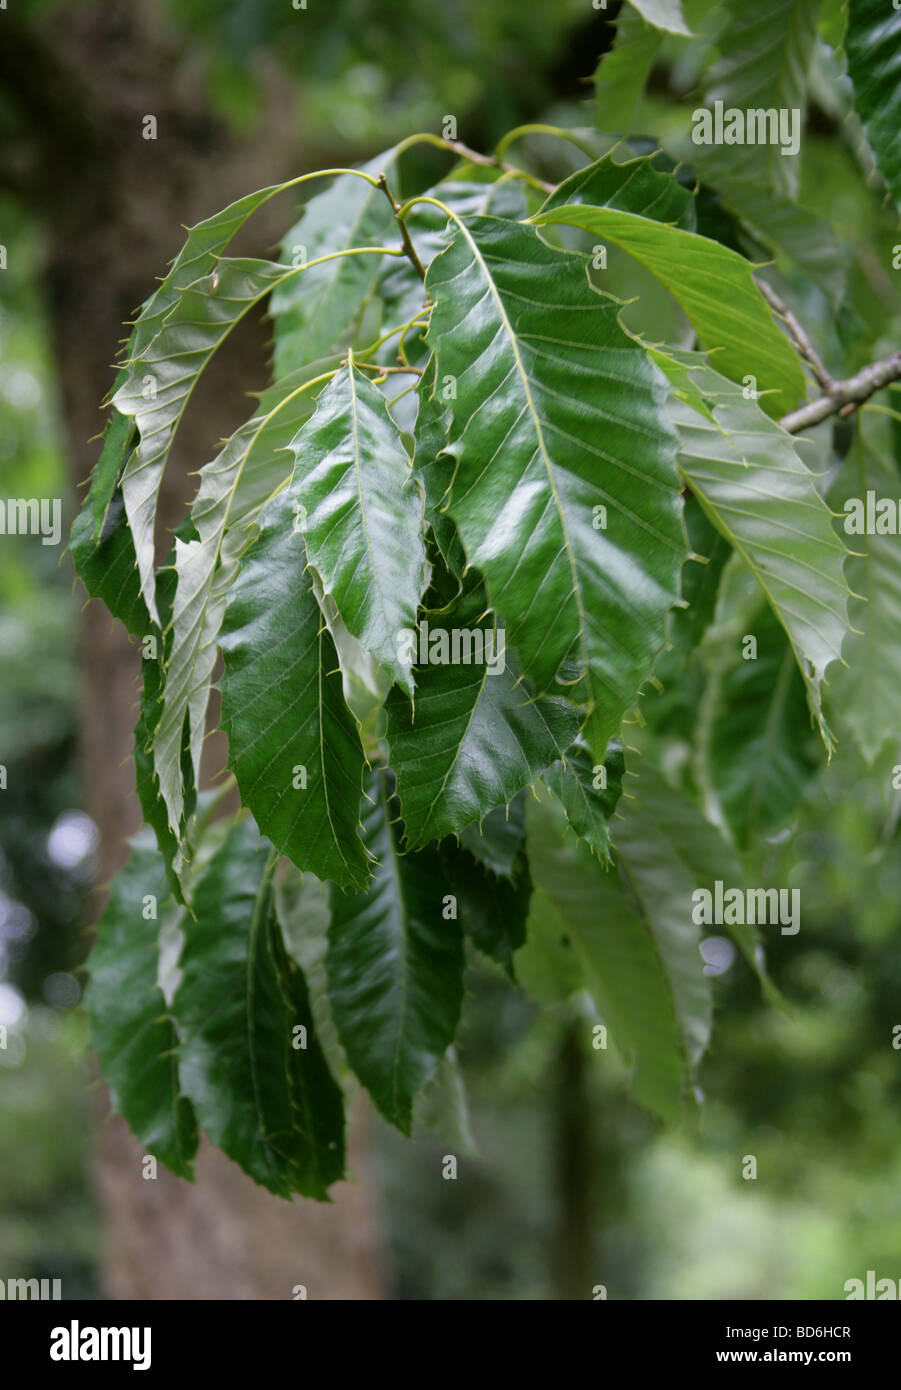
(131, 1029)
(395, 965)
(634, 185)
(588, 792)
(558, 412)
(273, 1108)
(762, 750)
(360, 511)
(107, 567)
(498, 839)
(473, 736)
(170, 842)
(233, 488)
(746, 472)
(177, 330)
(713, 284)
(293, 743)
(873, 45)
(492, 909)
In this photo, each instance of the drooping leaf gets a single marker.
(622, 73)
(662, 883)
(170, 842)
(131, 1030)
(713, 284)
(474, 736)
(873, 45)
(360, 512)
(668, 849)
(701, 576)
(765, 52)
(395, 965)
(557, 414)
(174, 336)
(746, 472)
(293, 744)
(434, 469)
(578, 902)
(107, 568)
(868, 693)
(118, 442)
(497, 841)
(102, 548)
(443, 1107)
(237, 1006)
(492, 909)
(233, 488)
(588, 792)
(760, 744)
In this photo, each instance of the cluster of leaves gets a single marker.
(461, 433)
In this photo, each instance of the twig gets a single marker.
(799, 337)
(845, 396)
(405, 235)
(491, 161)
(377, 367)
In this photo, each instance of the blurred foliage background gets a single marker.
(563, 1184)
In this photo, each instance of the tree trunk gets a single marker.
(114, 206)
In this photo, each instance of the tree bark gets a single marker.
(114, 205)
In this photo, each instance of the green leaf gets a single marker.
(576, 782)
(700, 579)
(764, 56)
(473, 737)
(746, 472)
(314, 312)
(578, 902)
(107, 568)
(713, 284)
(620, 79)
(361, 515)
(492, 909)
(283, 708)
(558, 412)
(873, 45)
(234, 487)
(663, 14)
(665, 851)
(395, 966)
(118, 442)
(784, 228)
(443, 1108)
(434, 470)
(272, 1108)
(177, 331)
(633, 185)
(868, 693)
(147, 785)
(497, 841)
(131, 1029)
(761, 751)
